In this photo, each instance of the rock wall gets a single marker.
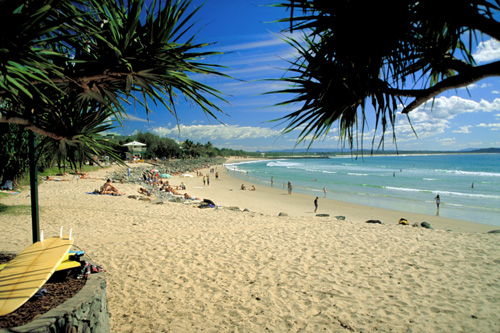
(87, 311)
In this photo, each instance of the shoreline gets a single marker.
(273, 200)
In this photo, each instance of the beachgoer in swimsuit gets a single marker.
(438, 201)
(107, 188)
(190, 197)
(56, 179)
(145, 191)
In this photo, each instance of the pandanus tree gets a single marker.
(67, 67)
(392, 55)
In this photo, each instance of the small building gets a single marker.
(134, 149)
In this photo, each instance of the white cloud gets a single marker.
(487, 51)
(493, 127)
(446, 141)
(253, 45)
(134, 118)
(434, 119)
(463, 129)
(447, 108)
(204, 133)
(406, 132)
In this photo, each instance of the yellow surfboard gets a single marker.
(67, 264)
(24, 275)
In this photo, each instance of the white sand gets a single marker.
(173, 267)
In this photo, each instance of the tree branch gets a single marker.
(32, 127)
(458, 81)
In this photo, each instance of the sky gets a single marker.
(247, 33)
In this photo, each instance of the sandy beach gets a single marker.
(178, 268)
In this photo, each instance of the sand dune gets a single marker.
(174, 267)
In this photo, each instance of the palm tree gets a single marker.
(97, 54)
(66, 67)
(382, 54)
(188, 148)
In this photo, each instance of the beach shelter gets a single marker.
(135, 148)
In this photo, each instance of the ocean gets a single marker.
(468, 184)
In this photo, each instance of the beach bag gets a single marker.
(403, 221)
(88, 268)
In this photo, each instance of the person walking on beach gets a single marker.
(315, 204)
(324, 191)
(438, 201)
(289, 187)
(204, 180)
(272, 181)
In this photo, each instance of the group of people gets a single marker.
(166, 187)
(206, 178)
(243, 187)
(153, 178)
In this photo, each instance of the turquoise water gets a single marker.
(468, 184)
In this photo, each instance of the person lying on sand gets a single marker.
(145, 191)
(86, 176)
(56, 179)
(189, 197)
(171, 190)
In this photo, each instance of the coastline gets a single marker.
(272, 201)
(175, 267)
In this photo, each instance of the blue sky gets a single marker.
(253, 50)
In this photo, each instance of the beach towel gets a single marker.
(11, 192)
(97, 193)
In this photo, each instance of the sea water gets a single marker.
(468, 184)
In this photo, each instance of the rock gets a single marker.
(323, 215)
(178, 199)
(340, 218)
(246, 210)
(403, 221)
(494, 232)
(425, 225)
(282, 214)
(132, 197)
(374, 221)
(234, 208)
